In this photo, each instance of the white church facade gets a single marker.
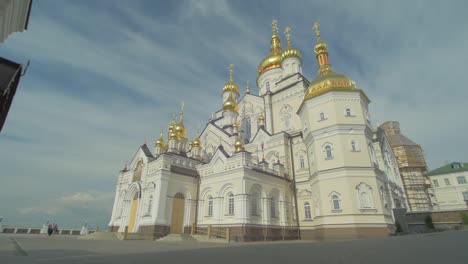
(300, 159)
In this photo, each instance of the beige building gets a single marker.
(300, 159)
(449, 184)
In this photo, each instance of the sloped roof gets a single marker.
(450, 168)
(400, 140)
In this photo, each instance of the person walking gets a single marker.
(50, 229)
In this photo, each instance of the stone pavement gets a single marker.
(443, 247)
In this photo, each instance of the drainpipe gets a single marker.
(294, 186)
(197, 201)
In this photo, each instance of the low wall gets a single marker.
(36, 230)
(443, 220)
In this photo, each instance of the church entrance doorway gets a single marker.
(178, 206)
(133, 212)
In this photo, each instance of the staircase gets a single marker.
(204, 238)
(99, 236)
(176, 237)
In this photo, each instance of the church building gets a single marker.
(298, 160)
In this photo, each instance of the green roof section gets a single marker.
(449, 168)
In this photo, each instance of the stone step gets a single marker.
(204, 238)
(99, 236)
(134, 236)
(177, 237)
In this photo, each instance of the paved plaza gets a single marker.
(444, 247)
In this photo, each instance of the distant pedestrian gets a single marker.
(50, 229)
(55, 228)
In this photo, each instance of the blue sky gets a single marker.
(105, 75)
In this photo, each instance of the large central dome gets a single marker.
(274, 59)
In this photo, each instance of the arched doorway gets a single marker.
(177, 220)
(133, 212)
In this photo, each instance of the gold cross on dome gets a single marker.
(274, 26)
(231, 66)
(316, 29)
(287, 31)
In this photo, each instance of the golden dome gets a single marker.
(274, 59)
(320, 47)
(239, 145)
(261, 118)
(173, 135)
(290, 51)
(230, 104)
(160, 142)
(197, 142)
(230, 86)
(172, 127)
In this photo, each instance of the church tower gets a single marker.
(230, 104)
(338, 136)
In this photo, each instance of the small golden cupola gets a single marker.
(327, 79)
(197, 142)
(231, 86)
(290, 52)
(230, 104)
(171, 132)
(238, 144)
(160, 142)
(180, 128)
(274, 59)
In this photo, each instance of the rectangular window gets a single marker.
(436, 183)
(461, 179)
(447, 182)
(465, 196)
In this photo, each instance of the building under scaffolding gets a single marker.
(412, 166)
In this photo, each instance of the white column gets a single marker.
(266, 211)
(268, 114)
(160, 200)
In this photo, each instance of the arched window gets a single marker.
(322, 116)
(365, 201)
(210, 206)
(231, 204)
(273, 207)
(137, 172)
(336, 202)
(328, 152)
(302, 162)
(150, 205)
(247, 129)
(348, 112)
(364, 193)
(307, 211)
(267, 85)
(254, 204)
(353, 145)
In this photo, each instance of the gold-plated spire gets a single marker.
(320, 47)
(230, 104)
(180, 128)
(231, 86)
(274, 59)
(287, 32)
(247, 87)
(290, 51)
(327, 79)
